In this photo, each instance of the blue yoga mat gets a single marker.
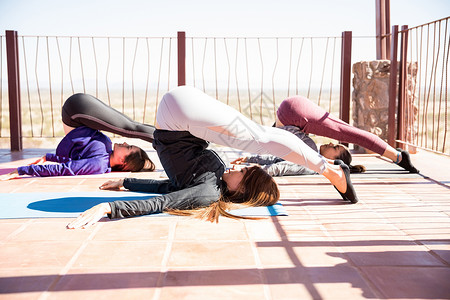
(71, 204)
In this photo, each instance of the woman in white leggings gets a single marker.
(189, 109)
(186, 119)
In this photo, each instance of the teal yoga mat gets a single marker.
(71, 204)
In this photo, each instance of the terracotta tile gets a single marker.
(26, 283)
(191, 229)
(213, 284)
(414, 225)
(340, 282)
(296, 222)
(299, 253)
(414, 212)
(294, 233)
(136, 229)
(105, 283)
(41, 186)
(291, 291)
(263, 230)
(121, 254)
(405, 222)
(51, 230)
(411, 282)
(211, 253)
(394, 210)
(354, 218)
(13, 221)
(426, 235)
(439, 247)
(37, 254)
(14, 185)
(399, 228)
(290, 283)
(7, 229)
(426, 231)
(365, 229)
(383, 254)
(337, 282)
(362, 237)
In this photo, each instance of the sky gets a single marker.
(200, 18)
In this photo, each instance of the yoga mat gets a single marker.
(274, 210)
(71, 204)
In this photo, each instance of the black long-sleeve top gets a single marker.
(195, 177)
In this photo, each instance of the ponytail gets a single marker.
(357, 169)
(347, 158)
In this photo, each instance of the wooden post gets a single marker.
(346, 66)
(402, 85)
(382, 9)
(181, 38)
(393, 87)
(15, 117)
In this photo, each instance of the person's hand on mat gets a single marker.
(90, 216)
(41, 160)
(239, 161)
(112, 185)
(10, 175)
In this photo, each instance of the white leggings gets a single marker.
(189, 109)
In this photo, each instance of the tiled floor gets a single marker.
(394, 244)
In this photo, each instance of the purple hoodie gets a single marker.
(82, 151)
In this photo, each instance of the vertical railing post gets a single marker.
(181, 40)
(402, 85)
(346, 66)
(382, 9)
(393, 87)
(15, 119)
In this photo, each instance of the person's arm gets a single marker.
(286, 168)
(139, 185)
(148, 185)
(40, 160)
(189, 198)
(15, 174)
(90, 216)
(96, 165)
(264, 159)
(9, 176)
(197, 196)
(55, 158)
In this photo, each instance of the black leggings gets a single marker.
(86, 110)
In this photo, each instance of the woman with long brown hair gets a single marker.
(186, 119)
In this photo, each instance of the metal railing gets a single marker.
(252, 74)
(131, 73)
(126, 73)
(255, 74)
(423, 75)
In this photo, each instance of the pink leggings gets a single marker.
(311, 118)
